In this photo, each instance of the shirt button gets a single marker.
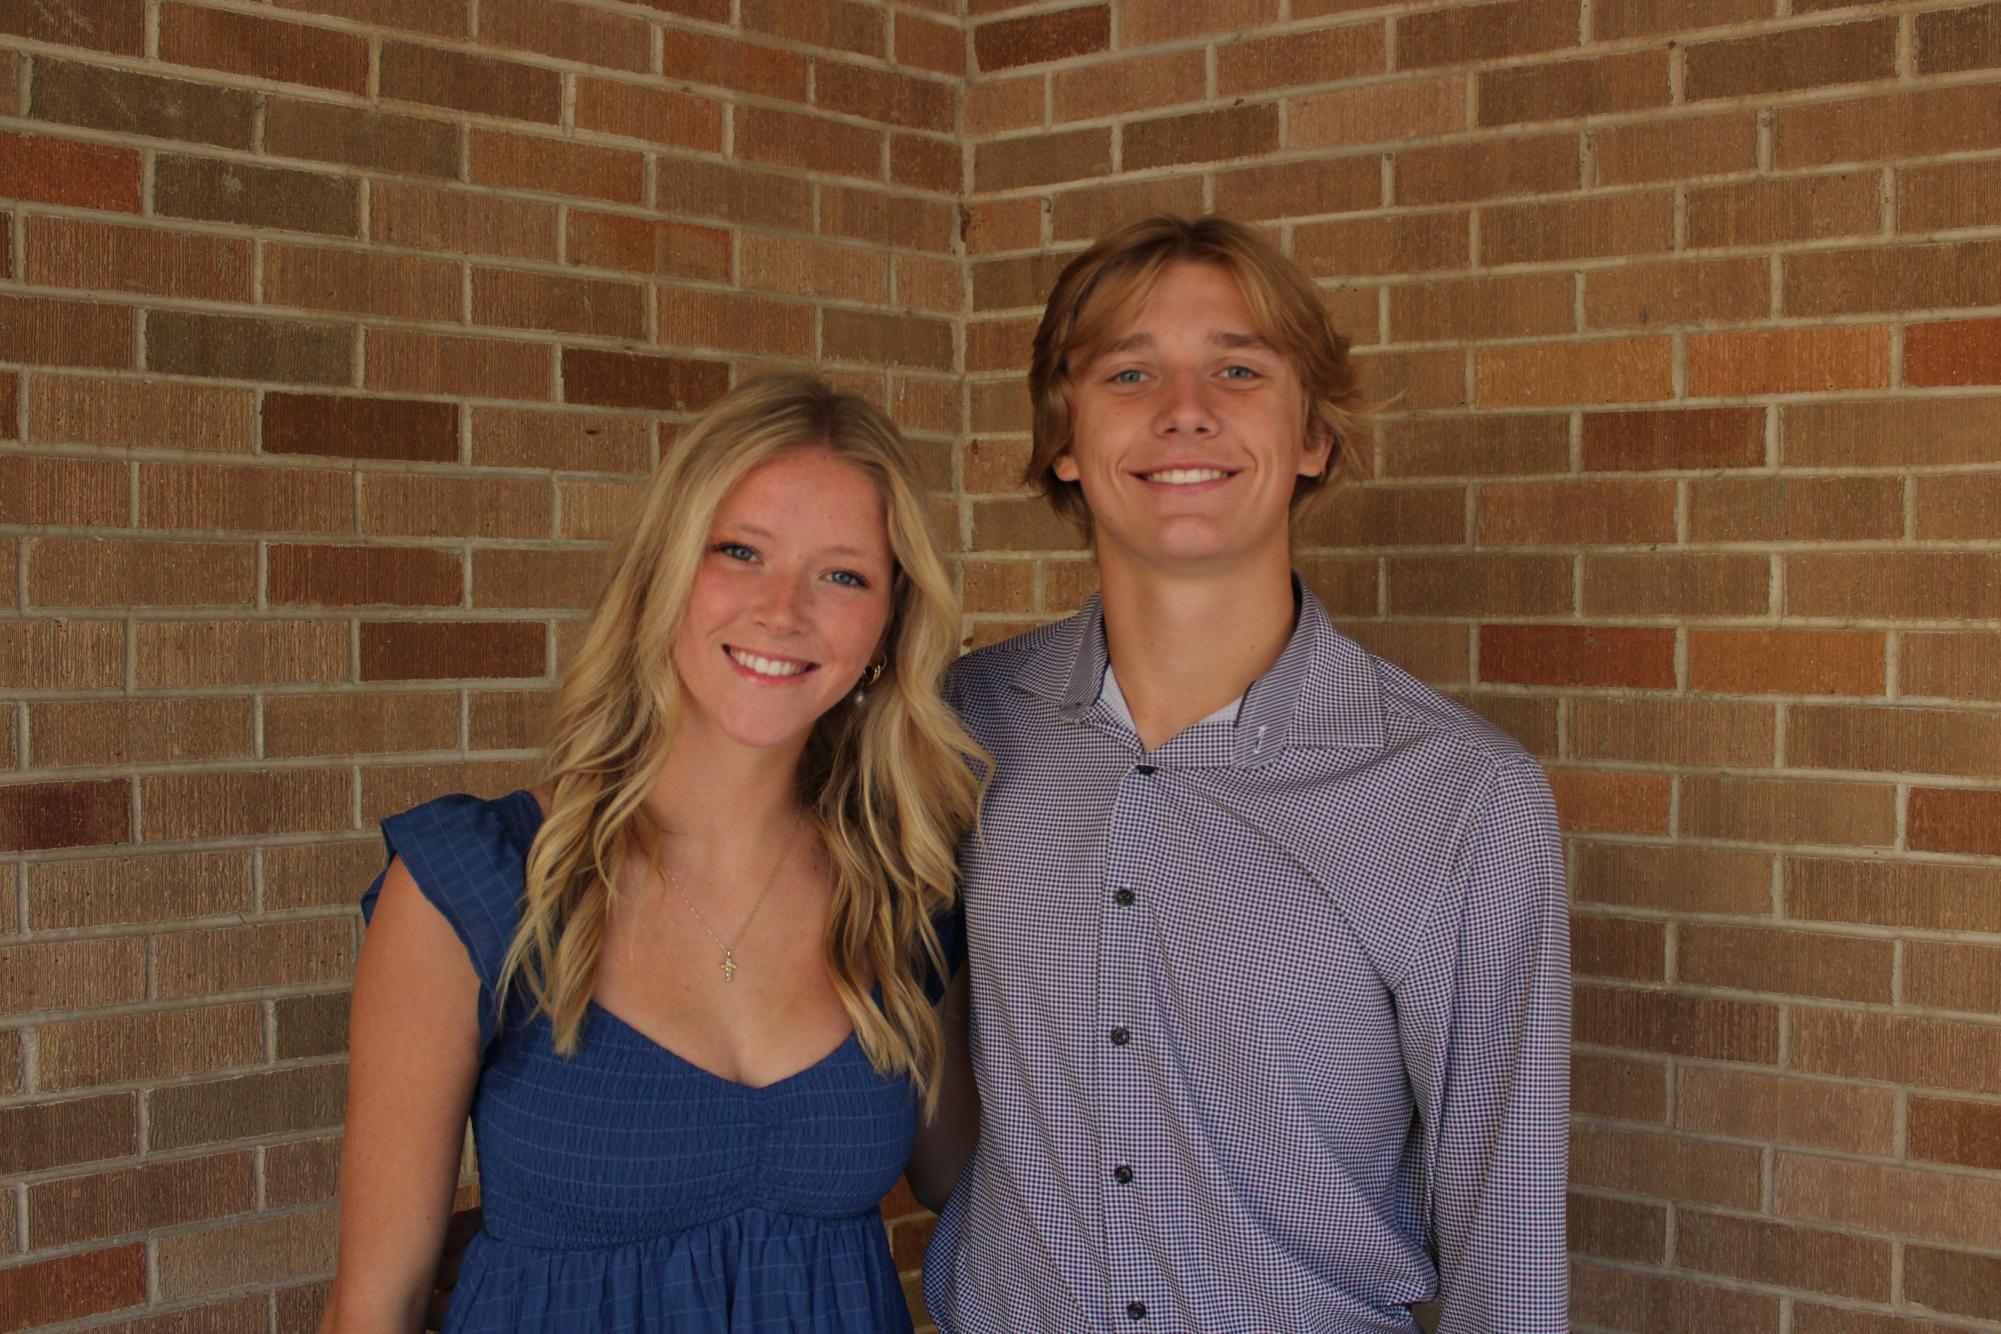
(1135, 1310)
(1120, 1036)
(1142, 768)
(1123, 897)
(1123, 1175)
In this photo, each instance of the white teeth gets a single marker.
(1187, 476)
(767, 666)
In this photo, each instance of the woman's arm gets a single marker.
(414, 1056)
(945, 1144)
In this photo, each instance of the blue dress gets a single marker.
(626, 1189)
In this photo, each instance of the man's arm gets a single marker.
(1500, 1143)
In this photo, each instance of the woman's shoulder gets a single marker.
(469, 856)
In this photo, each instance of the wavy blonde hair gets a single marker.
(889, 782)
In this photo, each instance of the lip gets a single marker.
(1187, 488)
(731, 650)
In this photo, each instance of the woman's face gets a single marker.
(789, 604)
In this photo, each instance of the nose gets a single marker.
(1184, 405)
(778, 608)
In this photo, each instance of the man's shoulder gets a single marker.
(1033, 658)
(1414, 712)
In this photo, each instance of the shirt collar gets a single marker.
(1322, 691)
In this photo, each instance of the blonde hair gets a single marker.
(888, 782)
(1100, 292)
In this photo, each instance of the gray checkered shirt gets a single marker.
(1271, 1024)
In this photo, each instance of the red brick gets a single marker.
(1113, 87)
(1043, 159)
(72, 974)
(1957, 1282)
(1783, 1254)
(568, 32)
(1623, 370)
(64, 815)
(421, 217)
(1002, 105)
(887, 218)
(733, 193)
(1677, 149)
(264, 48)
(1964, 507)
(1787, 361)
(321, 874)
(1788, 962)
(116, 26)
(1950, 665)
(1680, 440)
(598, 511)
(508, 719)
(1617, 1229)
(405, 361)
(62, 654)
(568, 441)
(435, 18)
(451, 650)
(1570, 89)
(1794, 209)
(1319, 55)
(259, 499)
(700, 57)
(1791, 662)
(1618, 947)
(310, 1026)
(1577, 655)
(631, 380)
(1942, 585)
(1145, 22)
(557, 166)
(263, 197)
(1899, 125)
(1927, 895)
(62, 493)
(41, 332)
(1638, 1161)
(1787, 811)
(375, 140)
(815, 143)
(1936, 1053)
(885, 340)
(347, 576)
(125, 102)
(1618, 1087)
(939, 47)
(108, 891)
(1576, 513)
(1677, 292)
(148, 1046)
(1614, 19)
(1948, 194)
(57, 1134)
(880, 95)
(1894, 278)
(1378, 113)
(1796, 509)
(1962, 352)
(1671, 879)
(1448, 173)
(103, 411)
(1012, 43)
(660, 115)
(1506, 307)
(1472, 447)
(387, 789)
(1959, 39)
(922, 163)
(429, 505)
(1681, 732)
(1934, 1206)
(48, 1291)
(1474, 33)
(537, 577)
(233, 804)
(364, 284)
(1894, 740)
(63, 171)
(360, 723)
(355, 427)
(1623, 224)
(1796, 58)
(1955, 820)
(62, 1213)
(1437, 652)
(1811, 1319)
(1628, 1299)
(234, 348)
(1672, 1023)
(76, 252)
(644, 245)
(94, 572)
(1964, 1133)
(845, 25)
(442, 77)
(692, 318)
(520, 300)
(1611, 801)
(1819, 1113)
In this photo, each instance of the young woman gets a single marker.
(685, 990)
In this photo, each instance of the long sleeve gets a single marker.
(1501, 1138)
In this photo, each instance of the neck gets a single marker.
(1186, 643)
(724, 796)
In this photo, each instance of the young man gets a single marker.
(1268, 941)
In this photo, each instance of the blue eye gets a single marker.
(735, 551)
(848, 579)
(1240, 373)
(1128, 376)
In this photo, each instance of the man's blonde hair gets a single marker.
(1100, 292)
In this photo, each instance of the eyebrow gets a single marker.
(1143, 342)
(752, 530)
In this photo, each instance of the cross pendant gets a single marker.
(729, 967)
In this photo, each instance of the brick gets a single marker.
(355, 427)
(886, 218)
(1664, 1165)
(311, 1026)
(1793, 662)
(10, 1084)
(643, 245)
(693, 318)
(886, 340)
(1966, 352)
(570, 441)
(1624, 224)
(1628, 1299)
(1672, 879)
(1475, 33)
(1378, 113)
(317, 278)
(1790, 962)
(1020, 282)
(1953, 1281)
(1947, 1131)
(47, 1291)
(1795, 209)
(1951, 40)
(1947, 976)
(435, 18)
(302, 1172)
(1419, 380)
(239, 43)
(1927, 895)
(1818, 1113)
(1796, 58)
(422, 217)
(700, 57)
(125, 102)
(57, 1134)
(1022, 525)
(1958, 507)
(140, 731)
(1933, 1053)
(1899, 125)
(598, 511)
(71, 974)
(1677, 292)
(1950, 665)
(1115, 87)
(922, 163)
(347, 576)
(1679, 439)
(520, 300)
(1382, 516)
(1786, 361)
(880, 95)
(114, 891)
(1682, 148)
(1320, 55)
(234, 804)
(1145, 22)
(374, 140)
(254, 957)
(1680, 732)
(387, 789)
(450, 650)
(322, 874)
(1012, 43)
(1305, 189)
(733, 194)
(261, 652)
(1449, 173)
(1471, 447)
(442, 77)
(164, 1044)
(88, 410)
(67, 333)
(1934, 1206)
(1675, 1024)
(1783, 1254)
(404, 361)
(1796, 509)
(845, 25)
(63, 654)
(273, 198)
(630, 380)
(237, 1255)
(508, 719)
(1889, 433)
(568, 32)
(659, 115)
(1508, 307)
(1572, 89)
(1576, 513)
(1787, 811)
(62, 1213)
(1948, 194)
(1942, 585)
(1894, 278)
(231, 347)
(1955, 820)
(361, 724)
(1435, 652)
(1894, 740)
(428, 505)
(1043, 159)
(1611, 801)
(1606, 370)
(1617, 1229)
(259, 499)
(1615, 19)
(537, 577)
(1618, 1087)
(1811, 1319)
(52, 493)
(938, 47)
(116, 26)
(63, 815)
(64, 171)
(557, 166)
(1406, 243)
(1002, 105)
(1618, 947)
(94, 572)
(814, 143)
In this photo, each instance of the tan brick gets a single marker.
(1679, 732)
(1626, 1299)
(569, 441)
(79, 252)
(255, 499)
(557, 166)
(1114, 87)
(1811, 1319)
(71, 974)
(1677, 149)
(1788, 361)
(1898, 1049)
(61, 493)
(311, 1026)
(1386, 516)
(1617, 1229)
(1674, 1024)
(429, 505)
(733, 193)
(1963, 507)
(145, 413)
(1571, 89)
(112, 891)
(880, 95)
(1941, 585)
(1435, 652)
(443, 77)
(264, 197)
(1000, 106)
(1618, 947)
(508, 719)
(351, 426)
(219, 1110)
(887, 218)
(441, 650)
(537, 577)
(1488, 584)
(1664, 1165)
(1292, 190)
(815, 143)
(96, 572)
(1043, 159)
(39, 1293)
(1947, 976)
(1676, 585)
(922, 163)
(539, 301)
(1949, 1131)
(164, 1044)
(886, 340)
(1471, 447)
(1926, 895)
(1532, 165)
(57, 1134)
(1960, 39)
(242, 958)
(802, 267)
(1953, 1281)
(1508, 307)
(62, 654)
(1022, 525)
(353, 136)
(1948, 194)
(1794, 209)
(1818, 1113)
(643, 245)
(1614, 19)
(1898, 125)
(233, 804)
(1317, 55)
(1378, 113)
(236, 1255)
(233, 348)
(387, 789)
(1672, 879)
(1964, 665)
(1618, 1087)
(139, 731)
(67, 333)
(245, 44)
(701, 57)
(1145, 22)
(1796, 509)
(302, 1172)
(1787, 811)
(408, 362)
(1576, 513)
(64, 1212)
(1931, 1205)
(423, 217)
(1783, 1254)
(1895, 740)
(360, 723)
(1894, 278)
(117, 26)
(1680, 439)
(1795, 58)
(1622, 370)
(1405, 243)
(34, 816)
(320, 874)
(1790, 962)
(1623, 224)
(1677, 292)
(1476, 33)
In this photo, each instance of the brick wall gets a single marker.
(1692, 481)
(333, 337)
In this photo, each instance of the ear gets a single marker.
(1318, 450)
(1064, 465)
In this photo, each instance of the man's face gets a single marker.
(1189, 430)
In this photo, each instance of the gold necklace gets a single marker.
(729, 947)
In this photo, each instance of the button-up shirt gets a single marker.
(1270, 1024)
